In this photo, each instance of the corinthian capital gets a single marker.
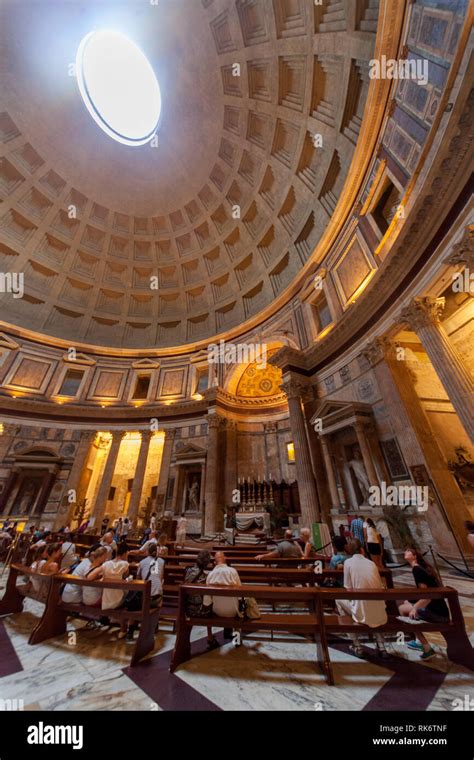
(423, 312)
(215, 421)
(377, 350)
(463, 252)
(296, 389)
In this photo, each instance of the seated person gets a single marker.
(162, 547)
(306, 544)
(116, 569)
(48, 564)
(90, 567)
(108, 542)
(340, 555)
(194, 604)
(152, 539)
(222, 606)
(361, 573)
(286, 548)
(430, 610)
(153, 568)
(68, 551)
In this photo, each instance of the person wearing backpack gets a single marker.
(194, 604)
(150, 568)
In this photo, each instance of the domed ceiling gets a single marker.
(170, 244)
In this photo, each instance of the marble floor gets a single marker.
(88, 670)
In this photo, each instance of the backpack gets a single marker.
(194, 604)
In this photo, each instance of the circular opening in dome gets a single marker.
(119, 87)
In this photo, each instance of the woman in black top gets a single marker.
(430, 610)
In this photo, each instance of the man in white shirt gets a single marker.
(107, 541)
(361, 573)
(223, 575)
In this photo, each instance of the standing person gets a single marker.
(153, 521)
(119, 529)
(126, 528)
(361, 573)
(430, 610)
(104, 525)
(286, 548)
(181, 531)
(373, 542)
(223, 606)
(357, 529)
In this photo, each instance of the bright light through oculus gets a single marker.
(119, 87)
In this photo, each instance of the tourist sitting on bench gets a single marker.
(361, 573)
(194, 604)
(116, 570)
(90, 567)
(47, 562)
(223, 606)
(429, 610)
(286, 548)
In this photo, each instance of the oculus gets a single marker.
(119, 87)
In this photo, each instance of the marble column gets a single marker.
(163, 477)
(423, 316)
(418, 443)
(139, 477)
(81, 456)
(231, 461)
(273, 466)
(107, 476)
(211, 517)
(366, 453)
(336, 504)
(309, 503)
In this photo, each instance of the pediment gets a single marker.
(79, 359)
(7, 342)
(145, 364)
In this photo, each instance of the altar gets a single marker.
(246, 520)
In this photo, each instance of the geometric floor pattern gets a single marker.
(88, 670)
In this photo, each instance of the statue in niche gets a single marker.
(193, 496)
(358, 468)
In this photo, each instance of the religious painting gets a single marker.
(394, 459)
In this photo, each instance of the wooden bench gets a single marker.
(15, 594)
(459, 649)
(54, 620)
(305, 623)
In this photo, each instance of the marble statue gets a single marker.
(193, 495)
(358, 468)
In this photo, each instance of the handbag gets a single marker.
(251, 608)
